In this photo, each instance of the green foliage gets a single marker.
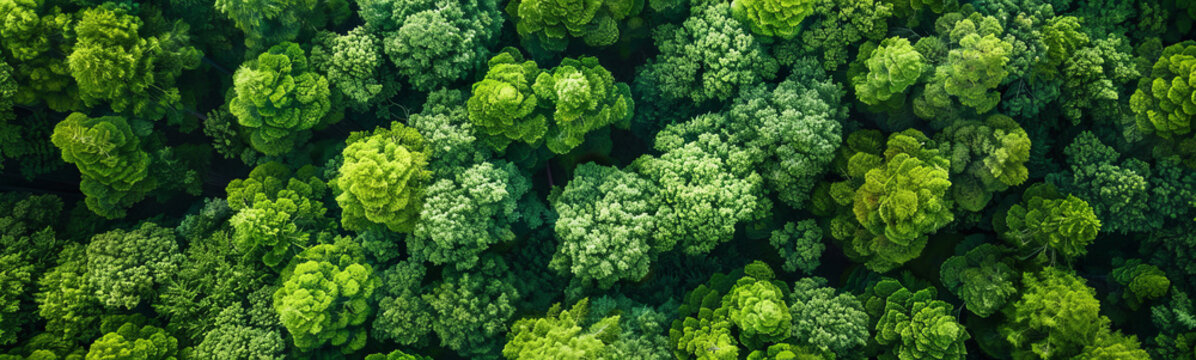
(1055, 317)
(892, 67)
(464, 215)
(133, 342)
(607, 225)
(214, 277)
(904, 198)
(585, 97)
(267, 22)
(707, 57)
(982, 278)
(1127, 195)
(1142, 282)
(757, 307)
(504, 106)
(516, 99)
(235, 337)
(642, 328)
(15, 280)
(353, 64)
(787, 134)
(325, 298)
(277, 96)
(701, 199)
(1163, 103)
(65, 298)
(560, 335)
(837, 28)
(778, 18)
(1046, 222)
(396, 355)
(471, 308)
(114, 60)
(1113, 345)
(434, 43)
(382, 179)
(986, 157)
(915, 325)
(550, 24)
(976, 64)
(830, 323)
(115, 169)
(894, 201)
(403, 316)
(702, 328)
(1094, 78)
(36, 35)
(276, 211)
(125, 267)
(799, 244)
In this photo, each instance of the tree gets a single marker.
(777, 18)
(276, 211)
(277, 96)
(353, 64)
(325, 297)
(828, 322)
(750, 303)
(585, 97)
(133, 341)
(235, 337)
(976, 64)
(383, 178)
(504, 106)
(707, 57)
(65, 298)
(893, 67)
(986, 157)
(1046, 223)
(606, 226)
(982, 278)
(113, 61)
(895, 202)
(464, 215)
(1163, 103)
(15, 279)
(1127, 194)
(396, 355)
(267, 22)
(701, 199)
(787, 134)
(702, 328)
(107, 152)
(434, 43)
(1142, 282)
(403, 316)
(472, 308)
(1055, 317)
(561, 335)
(757, 307)
(516, 101)
(32, 31)
(1113, 345)
(215, 276)
(913, 324)
(799, 244)
(545, 23)
(125, 267)
(834, 30)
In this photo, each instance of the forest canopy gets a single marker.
(597, 179)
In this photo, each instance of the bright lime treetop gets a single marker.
(277, 96)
